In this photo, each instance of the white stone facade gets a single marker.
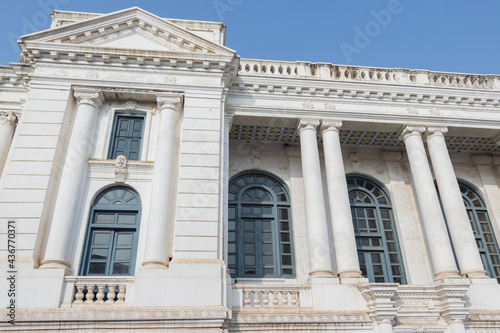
(208, 116)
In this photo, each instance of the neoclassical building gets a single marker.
(153, 180)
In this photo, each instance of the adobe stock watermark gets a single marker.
(223, 6)
(38, 21)
(373, 28)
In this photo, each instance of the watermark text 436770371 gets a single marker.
(11, 272)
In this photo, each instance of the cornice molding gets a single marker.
(362, 91)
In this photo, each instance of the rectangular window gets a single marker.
(127, 137)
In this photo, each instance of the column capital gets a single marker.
(435, 131)
(170, 101)
(8, 118)
(308, 124)
(410, 130)
(91, 96)
(330, 125)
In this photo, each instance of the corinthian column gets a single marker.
(442, 258)
(8, 121)
(346, 252)
(160, 227)
(317, 231)
(459, 226)
(69, 195)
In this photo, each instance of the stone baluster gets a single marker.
(121, 293)
(276, 300)
(90, 293)
(79, 294)
(111, 294)
(294, 301)
(100, 293)
(247, 301)
(265, 301)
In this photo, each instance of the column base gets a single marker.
(452, 274)
(321, 274)
(155, 264)
(476, 274)
(56, 264)
(354, 274)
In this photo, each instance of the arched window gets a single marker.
(260, 231)
(481, 225)
(111, 241)
(376, 238)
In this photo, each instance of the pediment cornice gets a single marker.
(90, 38)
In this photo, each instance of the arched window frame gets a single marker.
(384, 241)
(484, 233)
(113, 229)
(280, 219)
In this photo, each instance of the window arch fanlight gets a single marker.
(112, 234)
(260, 242)
(376, 237)
(482, 228)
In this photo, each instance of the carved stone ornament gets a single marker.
(171, 101)
(256, 157)
(354, 157)
(434, 112)
(329, 106)
(412, 110)
(308, 105)
(89, 96)
(433, 130)
(330, 125)
(8, 118)
(308, 124)
(120, 168)
(131, 104)
(410, 130)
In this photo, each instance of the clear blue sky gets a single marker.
(447, 35)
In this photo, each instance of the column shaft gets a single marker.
(159, 224)
(453, 205)
(60, 240)
(317, 231)
(346, 253)
(438, 243)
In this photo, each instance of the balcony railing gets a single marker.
(367, 74)
(258, 296)
(99, 290)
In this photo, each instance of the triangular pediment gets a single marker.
(130, 29)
